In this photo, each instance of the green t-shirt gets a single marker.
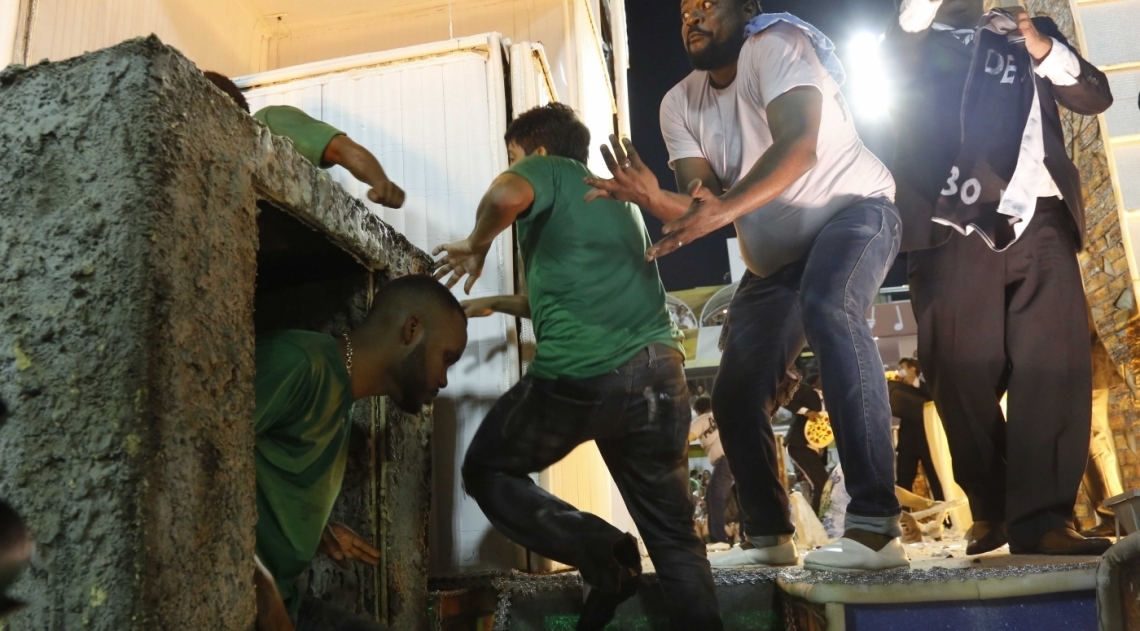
(310, 136)
(594, 300)
(302, 422)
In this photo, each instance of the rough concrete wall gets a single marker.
(1107, 282)
(125, 449)
(127, 249)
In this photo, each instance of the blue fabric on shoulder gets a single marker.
(824, 47)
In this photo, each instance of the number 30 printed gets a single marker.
(971, 189)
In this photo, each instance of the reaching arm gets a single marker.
(794, 119)
(365, 167)
(635, 183)
(516, 305)
(271, 612)
(510, 195)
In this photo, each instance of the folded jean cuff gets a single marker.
(768, 541)
(881, 525)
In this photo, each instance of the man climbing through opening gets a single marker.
(306, 385)
(320, 143)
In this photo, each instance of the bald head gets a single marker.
(421, 330)
(418, 295)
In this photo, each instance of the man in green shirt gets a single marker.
(306, 385)
(320, 143)
(608, 368)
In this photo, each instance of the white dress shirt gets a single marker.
(1060, 67)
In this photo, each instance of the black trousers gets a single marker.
(914, 448)
(639, 417)
(991, 323)
(811, 461)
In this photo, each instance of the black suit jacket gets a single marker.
(805, 398)
(930, 69)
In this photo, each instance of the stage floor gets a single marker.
(943, 589)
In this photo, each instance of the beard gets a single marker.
(717, 54)
(412, 384)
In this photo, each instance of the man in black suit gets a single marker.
(909, 395)
(992, 322)
(806, 402)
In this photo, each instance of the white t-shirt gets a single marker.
(704, 428)
(695, 122)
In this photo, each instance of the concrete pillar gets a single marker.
(132, 193)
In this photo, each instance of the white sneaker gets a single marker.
(778, 555)
(845, 555)
(717, 547)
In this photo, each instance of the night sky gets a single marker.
(658, 62)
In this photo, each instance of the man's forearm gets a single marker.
(667, 205)
(517, 305)
(357, 160)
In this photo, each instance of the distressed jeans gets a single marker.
(639, 416)
(821, 299)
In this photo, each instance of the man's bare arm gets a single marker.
(794, 119)
(688, 169)
(365, 167)
(517, 305)
(271, 612)
(510, 195)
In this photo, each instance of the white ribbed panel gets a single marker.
(436, 125)
(1110, 31)
(1123, 118)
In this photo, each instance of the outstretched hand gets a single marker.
(706, 213)
(460, 259)
(343, 545)
(632, 182)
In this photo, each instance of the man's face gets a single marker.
(713, 31)
(516, 153)
(423, 373)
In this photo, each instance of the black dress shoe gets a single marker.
(601, 604)
(1103, 529)
(1065, 541)
(985, 536)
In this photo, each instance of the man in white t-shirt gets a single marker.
(760, 136)
(704, 428)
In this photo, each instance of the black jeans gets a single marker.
(638, 415)
(317, 615)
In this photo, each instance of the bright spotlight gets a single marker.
(869, 88)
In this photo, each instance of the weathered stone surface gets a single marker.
(129, 258)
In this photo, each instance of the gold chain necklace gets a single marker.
(348, 354)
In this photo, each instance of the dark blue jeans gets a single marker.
(638, 415)
(821, 299)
